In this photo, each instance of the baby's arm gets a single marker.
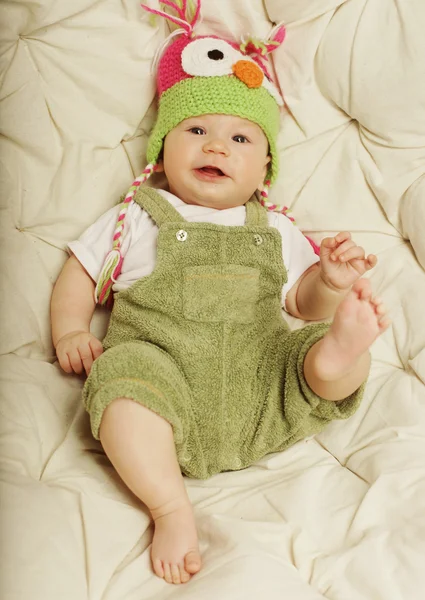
(318, 292)
(71, 311)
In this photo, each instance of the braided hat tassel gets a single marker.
(113, 261)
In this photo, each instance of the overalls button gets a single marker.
(258, 239)
(181, 235)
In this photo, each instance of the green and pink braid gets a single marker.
(114, 259)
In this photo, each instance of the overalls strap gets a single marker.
(161, 211)
(256, 215)
(157, 207)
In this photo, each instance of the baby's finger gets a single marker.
(329, 243)
(371, 261)
(96, 348)
(88, 363)
(64, 362)
(342, 249)
(75, 361)
(86, 356)
(355, 253)
(342, 236)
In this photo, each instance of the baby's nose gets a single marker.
(217, 146)
(249, 73)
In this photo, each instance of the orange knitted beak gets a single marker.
(249, 73)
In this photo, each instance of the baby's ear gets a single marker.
(265, 169)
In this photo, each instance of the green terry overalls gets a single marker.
(202, 342)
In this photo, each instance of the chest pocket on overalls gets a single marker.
(220, 293)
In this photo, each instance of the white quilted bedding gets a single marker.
(340, 516)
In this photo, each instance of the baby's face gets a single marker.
(217, 161)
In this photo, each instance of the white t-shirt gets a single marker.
(140, 240)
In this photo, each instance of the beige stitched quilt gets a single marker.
(340, 516)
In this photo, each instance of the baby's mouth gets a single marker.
(211, 171)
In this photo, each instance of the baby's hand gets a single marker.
(77, 351)
(342, 262)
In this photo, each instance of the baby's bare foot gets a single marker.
(175, 552)
(358, 321)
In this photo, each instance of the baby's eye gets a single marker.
(241, 139)
(197, 130)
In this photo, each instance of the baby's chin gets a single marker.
(216, 203)
(211, 196)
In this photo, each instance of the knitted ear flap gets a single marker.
(113, 261)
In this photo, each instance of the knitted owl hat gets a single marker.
(199, 75)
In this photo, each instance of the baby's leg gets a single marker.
(338, 364)
(140, 445)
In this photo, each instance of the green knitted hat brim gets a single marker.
(216, 95)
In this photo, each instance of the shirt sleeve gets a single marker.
(297, 252)
(94, 244)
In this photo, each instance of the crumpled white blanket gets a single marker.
(340, 516)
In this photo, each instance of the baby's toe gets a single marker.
(184, 575)
(192, 562)
(378, 304)
(167, 573)
(380, 310)
(362, 289)
(158, 568)
(383, 323)
(175, 574)
(366, 293)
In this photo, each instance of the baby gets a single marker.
(199, 373)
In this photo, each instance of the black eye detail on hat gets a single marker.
(215, 55)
